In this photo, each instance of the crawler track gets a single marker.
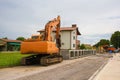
(41, 59)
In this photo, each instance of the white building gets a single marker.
(68, 37)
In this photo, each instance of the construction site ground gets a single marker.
(77, 69)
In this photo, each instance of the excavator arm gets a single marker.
(48, 29)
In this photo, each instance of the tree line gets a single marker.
(114, 41)
(18, 38)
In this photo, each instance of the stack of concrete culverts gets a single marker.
(73, 54)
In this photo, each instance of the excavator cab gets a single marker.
(35, 37)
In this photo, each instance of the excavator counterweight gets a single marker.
(39, 47)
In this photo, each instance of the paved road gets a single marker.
(79, 70)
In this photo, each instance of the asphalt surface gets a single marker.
(79, 70)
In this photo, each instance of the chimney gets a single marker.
(74, 25)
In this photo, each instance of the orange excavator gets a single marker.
(44, 50)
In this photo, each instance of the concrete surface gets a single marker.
(22, 71)
(76, 69)
(111, 70)
(79, 70)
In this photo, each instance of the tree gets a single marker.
(20, 38)
(115, 39)
(102, 42)
(82, 46)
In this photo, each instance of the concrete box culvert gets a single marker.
(73, 54)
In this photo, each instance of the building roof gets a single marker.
(65, 29)
(8, 40)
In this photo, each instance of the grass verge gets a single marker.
(10, 59)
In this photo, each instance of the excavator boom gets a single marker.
(49, 26)
(48, 29)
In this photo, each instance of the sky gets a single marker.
(96, 19)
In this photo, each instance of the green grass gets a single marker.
(9, 59)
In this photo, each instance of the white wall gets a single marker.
(73, 39)
(65, 40)
(68, 39)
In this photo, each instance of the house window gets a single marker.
(62, 43)
(73, 37)
(73, 45)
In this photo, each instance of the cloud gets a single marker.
(114, 17)
(93, 39)
(25, 17)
